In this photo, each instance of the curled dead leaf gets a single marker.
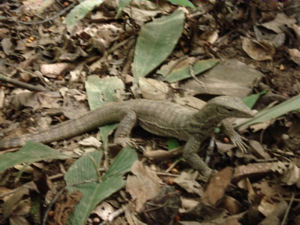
(153, 89)
(258, 50)
(295, 55)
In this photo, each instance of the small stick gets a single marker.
(284, 219)
(192, 73)
(21, 84)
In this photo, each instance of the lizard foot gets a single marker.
(239, 142)
(125, 141)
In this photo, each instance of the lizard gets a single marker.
(158, 117)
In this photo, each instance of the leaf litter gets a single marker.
(102, 48)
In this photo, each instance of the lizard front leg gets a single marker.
(193, 159)
(122, 134)
(235, 138)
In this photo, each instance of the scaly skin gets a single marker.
(157, 117)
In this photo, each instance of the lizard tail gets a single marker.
(11, 143)
(61, 131)
(67, 129)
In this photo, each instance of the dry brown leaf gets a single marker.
(267, 206)
(104, 210)
(142, 11)
(64, 205)
(163, 208)
(36, 100)
(18, 220)
(231, 205)
(258, 150)
(7, 46)
(3, 32)
(143, 185)
(269, 189)
(153, 89)
(90, 142)
(54, 70)
(295, 55)
(11, 204)
(258, 50)
(188, 182)
(254, 169)
(280, 20)
(260, 126)
(217, 186)
(292, 176)
(187, 204)
(2, 97)
(238, 81)
(38, 7)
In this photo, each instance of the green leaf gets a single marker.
(121, 6)
(172, 143)
(29, 153)
(156, 42)
(182, 3)
(84, 169)
(80, 11)
(122, 163)
(184, 72)
(83, 172)
(274, 112)
(99, 92)
(252, 99)
(105, 131)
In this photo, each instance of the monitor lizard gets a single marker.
(158, 117)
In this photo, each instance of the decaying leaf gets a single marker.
(217, 186)
(258, 50)
(54, 70)
(295, 55)
(153, 89)
(237, 82)
(143, 186)
(188, 182)
(280, 20)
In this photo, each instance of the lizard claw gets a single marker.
(125, 141)
(239, 142)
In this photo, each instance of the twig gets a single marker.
(114, 215)
(194, 76)
(21, 84)
(288, 209)
(173, 165)
(48, 19)
(45, 218)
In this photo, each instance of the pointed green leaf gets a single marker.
(102, 90)
(265, 115)
(184, 72)
(83, 172)
(99, 92)
(156, 42)
(29, 153)
(80, 11)
(252, 99)
(182, 3)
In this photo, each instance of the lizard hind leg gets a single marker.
(122, 134)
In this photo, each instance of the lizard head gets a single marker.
(228, 106)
